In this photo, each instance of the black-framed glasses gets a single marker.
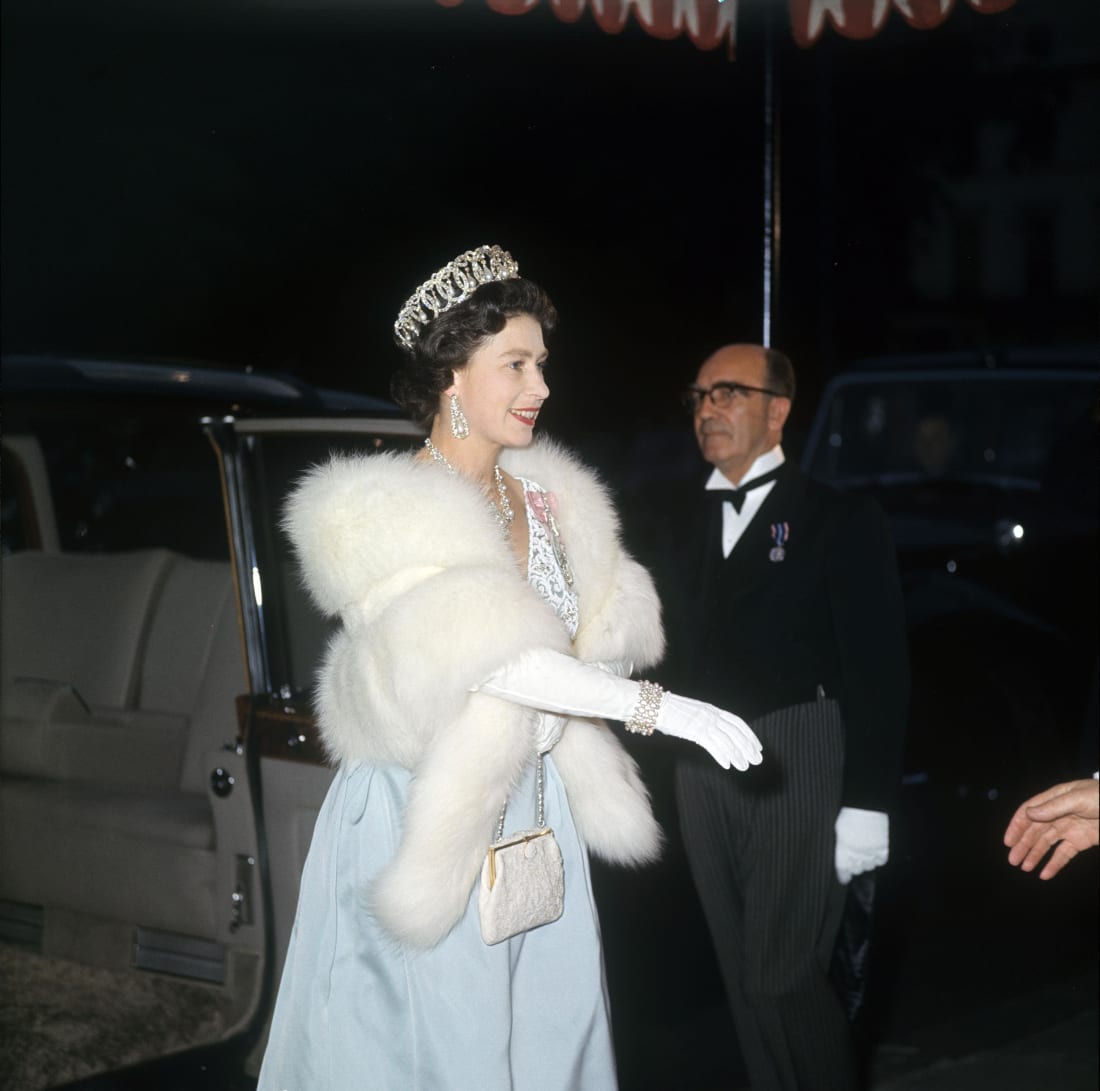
(721, 394)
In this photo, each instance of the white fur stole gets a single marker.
(432, 602)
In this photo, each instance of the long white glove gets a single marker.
(549, 727)
(862, 842)
(552, 682)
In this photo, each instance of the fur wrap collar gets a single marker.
(432, 602)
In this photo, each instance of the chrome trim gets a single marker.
(326, 425)
(242, 545)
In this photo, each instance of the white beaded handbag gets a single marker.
(522, 878)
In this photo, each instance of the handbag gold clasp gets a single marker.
(520, 840)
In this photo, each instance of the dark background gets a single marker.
(263, 184)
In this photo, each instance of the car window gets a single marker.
(1009, 432)
(295, 632)
(127, 477)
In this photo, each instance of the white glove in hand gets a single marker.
(548, 729)
(726, 737)
(862, 842)
(552, 682)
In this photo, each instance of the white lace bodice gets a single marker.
(546, 565)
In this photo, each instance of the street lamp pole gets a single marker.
(771, 192)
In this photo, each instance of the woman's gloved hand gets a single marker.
(552, 682)
(548, 728)
(726, 737)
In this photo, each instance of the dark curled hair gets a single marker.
(447, 342)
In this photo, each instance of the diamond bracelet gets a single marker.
(643, 720)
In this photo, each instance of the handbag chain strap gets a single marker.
(540, 811)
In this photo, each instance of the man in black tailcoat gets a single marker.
(783, 605)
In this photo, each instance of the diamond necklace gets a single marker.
(502, 510)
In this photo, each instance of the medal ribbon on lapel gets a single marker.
(780, 533)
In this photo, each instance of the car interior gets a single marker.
(123, 844)
(160, 769)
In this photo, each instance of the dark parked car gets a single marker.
(987, 468)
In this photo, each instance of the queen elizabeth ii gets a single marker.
(491, 620)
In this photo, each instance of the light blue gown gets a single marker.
(357, 1012)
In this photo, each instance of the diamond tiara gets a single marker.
(456, 281)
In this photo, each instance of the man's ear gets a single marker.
(778, 412)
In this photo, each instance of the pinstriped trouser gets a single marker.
(760, 846)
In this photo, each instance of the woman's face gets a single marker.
(501, 389)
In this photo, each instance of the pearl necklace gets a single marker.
(502, 510)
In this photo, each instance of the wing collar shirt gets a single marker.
(734, 522)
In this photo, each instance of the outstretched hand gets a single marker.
(551, 682)
(1066, 815)
(726, 737)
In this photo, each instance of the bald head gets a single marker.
(778, 369)
(732, 436)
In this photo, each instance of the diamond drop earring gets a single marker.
(460, 427)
